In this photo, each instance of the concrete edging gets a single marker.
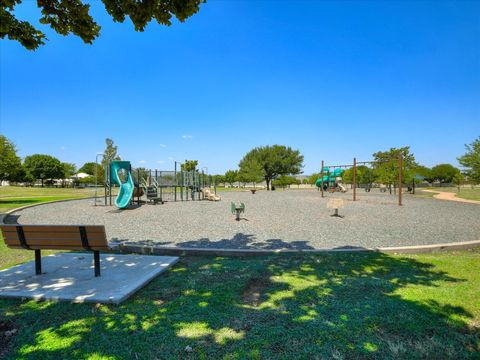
(171, 250)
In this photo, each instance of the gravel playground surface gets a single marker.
(292, 219)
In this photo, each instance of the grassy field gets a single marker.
(12, 197)
(350, 305)
(464, 193)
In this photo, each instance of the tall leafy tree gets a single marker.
(471, 160)
(444, 173)
(69, 170)
(73, 17)
(43, 167)
(89, 168)
(189, 165)
(285, 180)
(219, 179)
(110, 152)
(386, 165)
(231, 176)
(312, 179)
(10, 163)
(275, 160)
(251, 172)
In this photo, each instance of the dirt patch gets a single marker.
(254, 289)
(7, 331)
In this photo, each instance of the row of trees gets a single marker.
(42, 167)
(276, 164)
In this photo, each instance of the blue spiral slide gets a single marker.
(126, 187)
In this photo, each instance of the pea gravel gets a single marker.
(292, 219)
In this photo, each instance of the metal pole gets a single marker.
(354, 179)
(96, 180)
(105, 184)
(139, 186)
(400, 179)
(321, 175)
(181, 184)
(203, 185)
(175, 183)
(110, 183)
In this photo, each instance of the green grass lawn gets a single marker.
(24, 191)
(344, 305)
(12, 197)
(464, 193)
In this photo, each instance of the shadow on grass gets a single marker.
(348, 305)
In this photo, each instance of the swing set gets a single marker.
(354, 179)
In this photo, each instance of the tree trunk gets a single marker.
(267, 180)
(42, 182)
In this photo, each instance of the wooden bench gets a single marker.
(56, 237)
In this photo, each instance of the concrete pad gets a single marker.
(70, 277)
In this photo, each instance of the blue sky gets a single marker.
(332, 79)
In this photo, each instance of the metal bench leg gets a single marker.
(38, 262)
(96, 261)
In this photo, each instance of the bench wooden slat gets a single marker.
(54, 228)
(58, 242)
(55, 247)
(66, 236)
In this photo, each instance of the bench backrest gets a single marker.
(58, 237)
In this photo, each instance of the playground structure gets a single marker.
(323, 183)
(154, 186)
(332, 180)
(237, 209)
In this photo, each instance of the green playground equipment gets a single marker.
(237, 209)
(331, 179)
(126, 184)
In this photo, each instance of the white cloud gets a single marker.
(162, 145)
(186, 136)
(62, 147)
(141, 161)
(161, 161)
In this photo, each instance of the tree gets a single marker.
(69, 170)
(284, 180)
(471, 160)
(275, 160)
(189, 165)
(251, 172)
(110, 152)
(231, 176)
(312, 179)
(386, 165)
(73, 17)
(219, 179)
(89, 168)
(365, 176)
(42, 167)
(444, 173)
(10, 163)
(458, 179)
(421, 172)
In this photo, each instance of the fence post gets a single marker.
(175, 172)
(321, 176)
(400, 179)
(354, 179)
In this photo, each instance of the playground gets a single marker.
(273, 220)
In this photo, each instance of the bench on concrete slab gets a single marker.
(57, 237)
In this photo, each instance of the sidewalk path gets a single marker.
(443, 195)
